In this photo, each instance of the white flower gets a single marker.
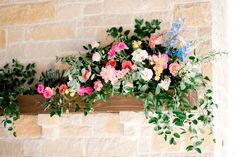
(164, 84)
(95, 44)
(139, 55)
(96, 57)
(146, 74)
(128, 85)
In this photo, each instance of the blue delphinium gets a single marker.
(174, 32)
(183, 51)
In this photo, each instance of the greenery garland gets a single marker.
(161, 68)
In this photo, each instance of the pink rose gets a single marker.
(121, 46)
(98, 85)
(155, 40)
(174, 67)
(40, 89)
(109, 74)
(81, 91)
(112, 54)
(126, 65)
(88, 90)
(48, 92)
(85, 75)
(122, 73)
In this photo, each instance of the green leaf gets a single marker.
(198, 150)
(189, 148)
(144, 88)
(176, 135)
(172, 140)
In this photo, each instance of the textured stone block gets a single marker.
(16, 35)
(164, 16)
(11, 148)
(62, 147)
(129, 6)
(70, 119)
(27, 13)
(52, 32)
(69, 11)
(195, 14)
(158, 144)
(87, 33)
(45, 119)
(94, 8)
(27, 126)
(111, 147)
(107, 20)
(130, 117)
(144, 144)
(2, 39)
(32, 147)
(75, 131)
(50, 132)
(107, 124)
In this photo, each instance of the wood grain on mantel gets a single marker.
(34, 104)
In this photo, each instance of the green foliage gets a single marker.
(53, 77)
(15, 80)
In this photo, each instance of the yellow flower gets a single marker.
(158, 73)
(72, 94)
(136, 44)
(66, 91)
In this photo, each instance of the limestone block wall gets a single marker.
(38, 30)
(124, 134)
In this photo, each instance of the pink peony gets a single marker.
(88, 90)
(81, 91)
(116, 48)
(121, 46)
(126, 65)
(40, 89)
(109, 74)
(174, 68)
(122, 73)
(48, 92)
(111, 63)
(98, 85)
(85, 75)
(155, 40)
(112, 54)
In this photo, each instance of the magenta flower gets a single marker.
(88, 90)
(121, 46)
(112, 54)
(40, 88)
(81, 91)
(48, 92)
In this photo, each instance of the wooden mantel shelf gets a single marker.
(33, 104)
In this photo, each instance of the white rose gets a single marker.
(146, 74)
(165, 83)
(139, 55)
(95, 44)
(96, 57)
(129, 85)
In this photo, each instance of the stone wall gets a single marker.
(124, 134)
(39, 30)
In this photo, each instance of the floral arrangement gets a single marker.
(161, 68)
